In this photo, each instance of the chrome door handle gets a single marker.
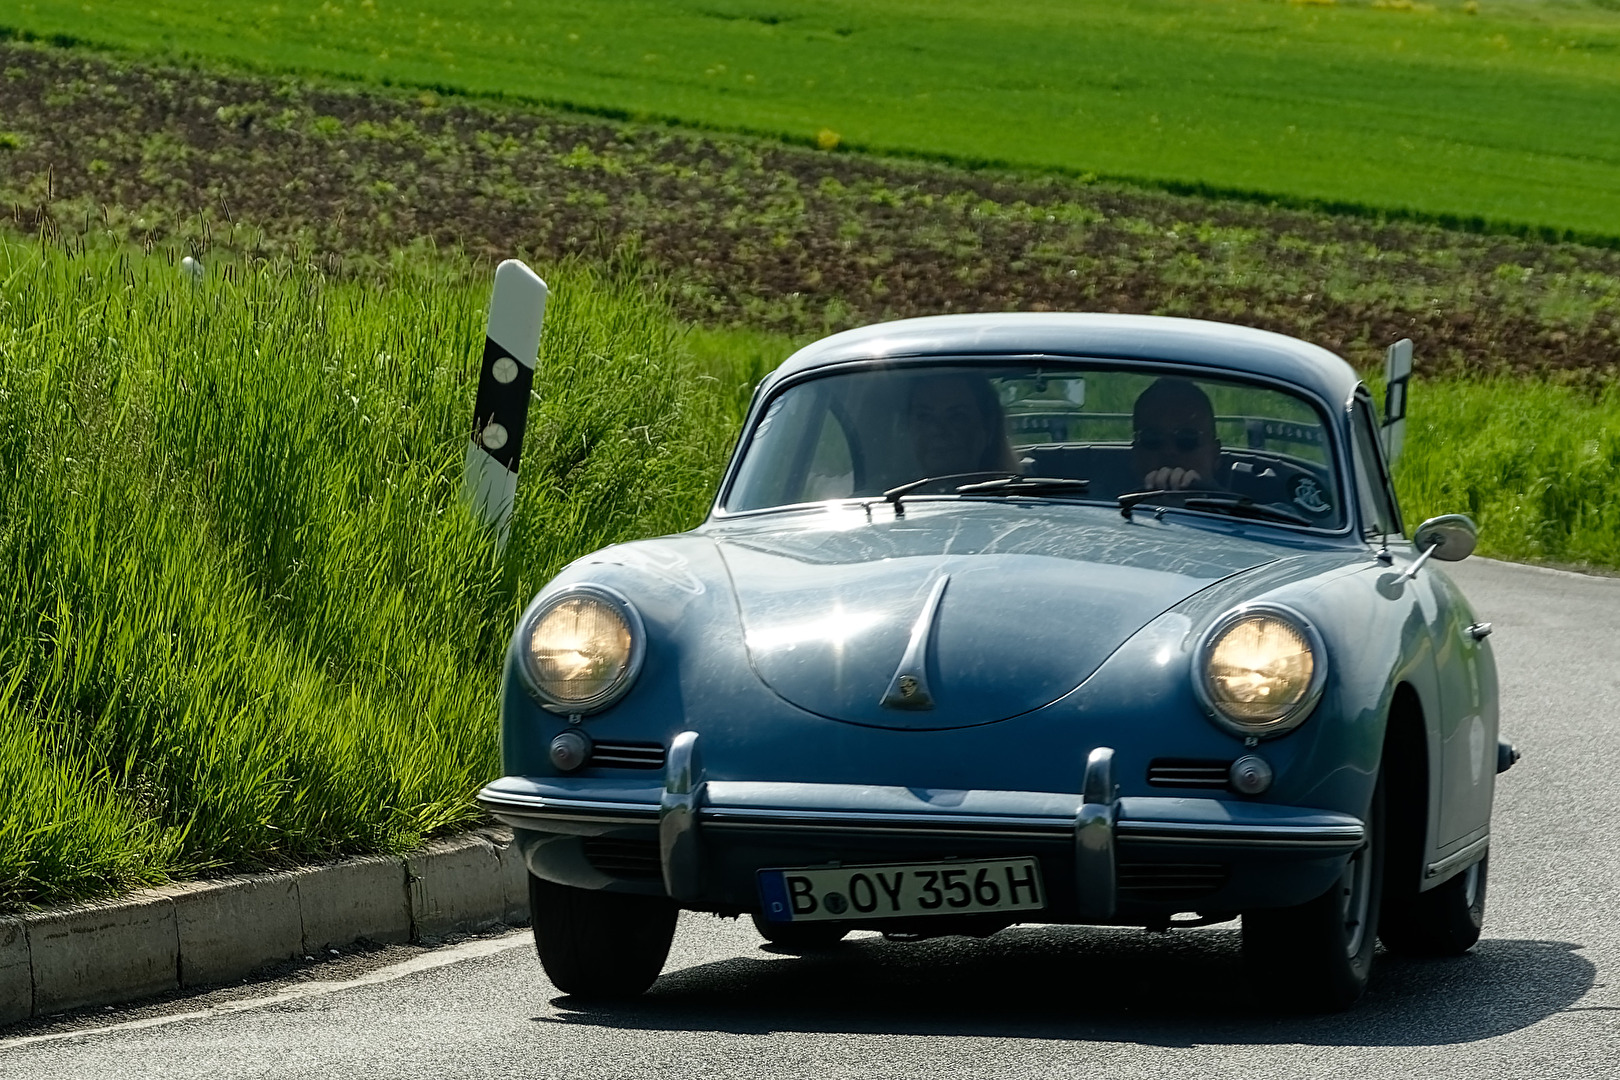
(1479, 631)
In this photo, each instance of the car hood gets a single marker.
(1032, 603)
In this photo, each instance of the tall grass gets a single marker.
(247, 621)
(1536, 465)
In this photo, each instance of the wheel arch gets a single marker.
(1408, 768)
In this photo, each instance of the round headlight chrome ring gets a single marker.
(1298, 712)
(620, 606)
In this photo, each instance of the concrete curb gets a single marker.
(182, 936)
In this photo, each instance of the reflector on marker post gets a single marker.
(1397, 373)
(501, 410)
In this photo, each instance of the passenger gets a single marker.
(957, 426)
(1174, 445)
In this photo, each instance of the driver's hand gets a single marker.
(1168, 479)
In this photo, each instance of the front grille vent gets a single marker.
(626, 755)
(623, 858)
(1170, 881)
(1189, 772)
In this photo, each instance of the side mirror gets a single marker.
(1452, 537)
(1449, 538)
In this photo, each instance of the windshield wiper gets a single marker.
(1214, 502)
(1129, 500)
(894, 494)
(1027, 485)
(1243, 506)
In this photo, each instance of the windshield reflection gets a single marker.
(857, 434)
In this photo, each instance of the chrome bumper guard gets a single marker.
(687, 806)
(1094, 825)
(679, 847)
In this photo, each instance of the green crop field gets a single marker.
(1491, 112)
(751, 232)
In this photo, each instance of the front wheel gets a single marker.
(1317, 955)
(1445, 921)
(600, 944)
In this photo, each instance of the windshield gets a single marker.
(949, 429)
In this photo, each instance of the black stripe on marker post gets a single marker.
(501, 408)
(1395, 399)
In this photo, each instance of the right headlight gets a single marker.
(582, 649)
(1259, 670)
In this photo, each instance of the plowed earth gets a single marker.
(752, 231)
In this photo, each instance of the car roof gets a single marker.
(1218, 345)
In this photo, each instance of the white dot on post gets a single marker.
(505, 369)
(494, 437)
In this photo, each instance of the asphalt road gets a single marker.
(1537, 997)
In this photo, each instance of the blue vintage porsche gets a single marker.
(1025, 618)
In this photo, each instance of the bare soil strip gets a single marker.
(756, 232)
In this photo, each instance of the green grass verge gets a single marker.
(1536, 466)
(248, 621)
(1501, 116)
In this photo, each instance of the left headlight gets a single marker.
(582, 649)
(1259, 670)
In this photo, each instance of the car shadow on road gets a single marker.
(1075, 983)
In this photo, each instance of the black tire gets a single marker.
(600, 944)
(1317, 956)
(800, 937)
(1445, 921)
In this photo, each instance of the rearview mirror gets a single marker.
(1452, 536)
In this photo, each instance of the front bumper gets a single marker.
(1105, 858)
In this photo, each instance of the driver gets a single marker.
(956, 426)
(1174, 445)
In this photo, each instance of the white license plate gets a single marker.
(887, 892)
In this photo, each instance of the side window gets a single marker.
(1379, 514)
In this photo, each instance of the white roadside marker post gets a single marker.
(501, 409)
(1397, 374)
